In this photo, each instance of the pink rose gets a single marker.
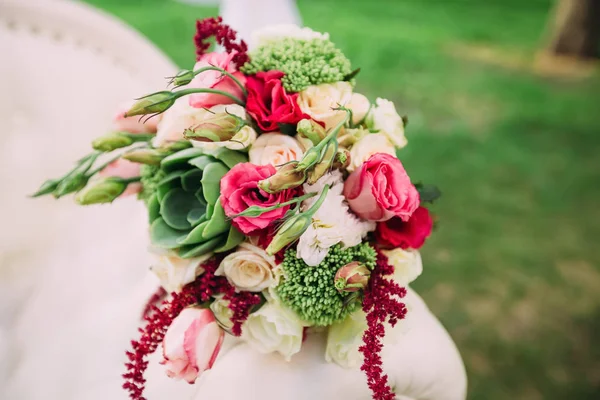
(134, 124)
(125, 169)
(191, 344)
(239, 190)
(381, 189)
(216, 80)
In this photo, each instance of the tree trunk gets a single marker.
(575, 28)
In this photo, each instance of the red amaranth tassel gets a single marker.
(224, 35)
(158, 320)
(380, 303)
(156, 297)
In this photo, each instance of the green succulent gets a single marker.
(184, 208)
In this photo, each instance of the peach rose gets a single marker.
(275, 149)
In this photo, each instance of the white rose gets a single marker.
(360, 106)
(344, 339)
(407, 265)
(175, 272)
(274, 328)
(384, 118)
(275, 33)
(222, 312)
(275, 149)
(249, 268)
(319, 101)
(370, 144)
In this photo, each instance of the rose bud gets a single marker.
(154, 103)
(311, 130)
(146, 156)
(286, 177)
(218, 127)
(103, 190)
(352, 277)
(191, 344)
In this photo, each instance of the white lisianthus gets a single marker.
(222, 312)
(275, 33)
(370, 144)
(274, 328)
(249, 268)
(385, 119)
(275, 149)
(360, 106)
(407, 265)
(343, 340)
(332, 223)
(319, 101)
(243, 139)
(175, 272)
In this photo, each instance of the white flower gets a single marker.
(275, 149)
(319, 101)
(407, 265)
(343, 340)
(275, 33)
(222, 312)
(274, 328)
(332, 223)
(360, 106)
(384, 118)
(249, 268)
(370, 144)
(175, 272)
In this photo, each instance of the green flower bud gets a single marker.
(183, 77)
(154, 103)
(352, 277)
(71, 184)
(47, 187)
(103, 190)
(218, 127)
(325, 164)
(286, 177)
(311, 130)
(310, 158)
(342, 159)
(146, 156)
(290, 231)
(111, 141)
(177, 146)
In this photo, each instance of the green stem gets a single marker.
(262, 210)
(213, 68)
(132, 180)
(185, 92)
(334, 132)
(113, 159)
(313, 209)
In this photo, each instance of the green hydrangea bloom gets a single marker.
(310, 291)
(151, 175)
(304, 62)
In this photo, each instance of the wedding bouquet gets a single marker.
(277, 204)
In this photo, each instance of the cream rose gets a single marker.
(249, 268)
(370, 144)
(274, 33)
(275, 149)
(319, 101)
(175, 272)
(344, 339)
(384, 118)
(274, 328)
(407, 265)
(360, 106)
(222, 312)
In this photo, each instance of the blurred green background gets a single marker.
(514, 269)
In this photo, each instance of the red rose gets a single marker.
(239, 190)
(381, 189)
(269, 104)
(410, 234)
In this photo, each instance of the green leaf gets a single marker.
(201, 249)
(211, 181)
(174, 208)
(209, 211)
(171, 178)
(195, 236)
(162, 235)
(200, 196)
(234, 238)
(428, 193)
(229, 157)
(351, 75)
(196, 215)
(191, 180)
(175, 160)
(201, 162)
(217, 224)
(153, 208)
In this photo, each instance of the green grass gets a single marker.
(514, 269)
